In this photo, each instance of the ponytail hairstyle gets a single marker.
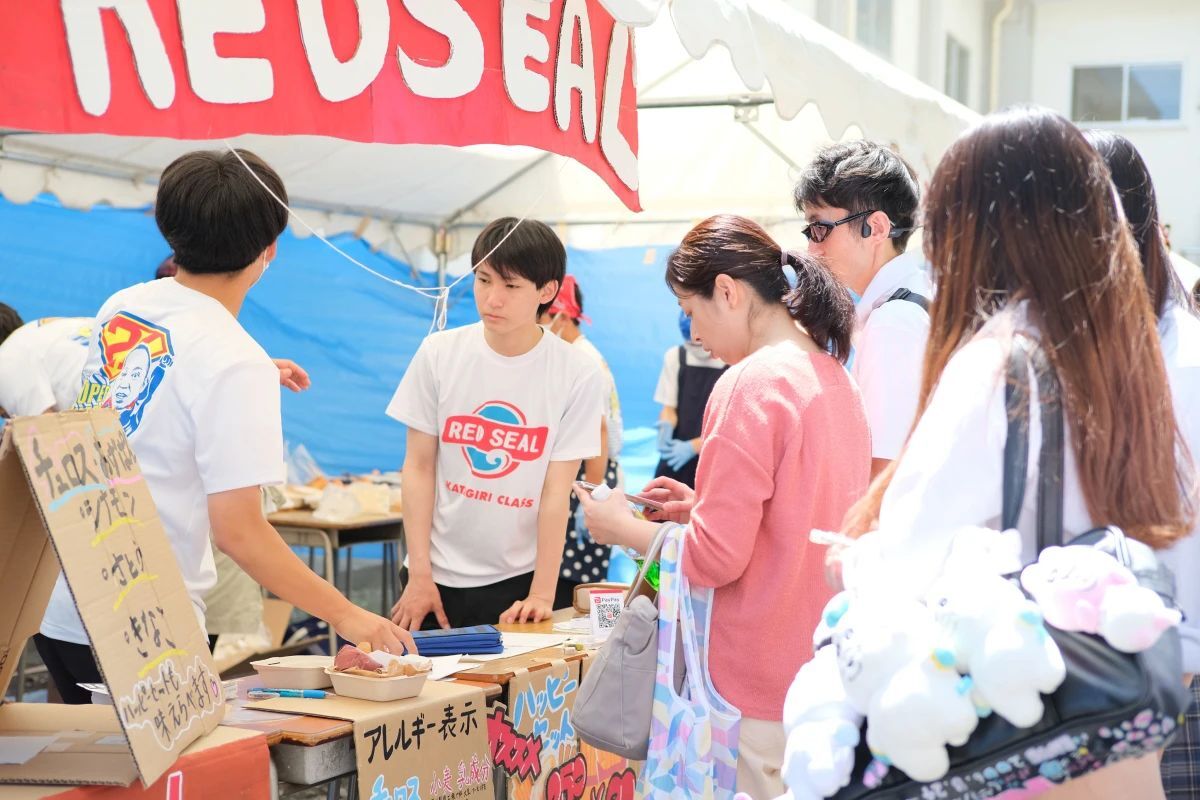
(738, 247)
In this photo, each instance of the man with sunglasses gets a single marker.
(860, 201)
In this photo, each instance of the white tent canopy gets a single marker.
(706, 145)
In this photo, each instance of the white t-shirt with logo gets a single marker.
(41, 365)
(199, 401)
(500, 421)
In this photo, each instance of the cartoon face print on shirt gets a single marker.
(495, 439)
(135, 355)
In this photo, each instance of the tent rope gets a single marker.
(440, 295)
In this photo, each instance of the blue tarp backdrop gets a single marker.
(354, 333)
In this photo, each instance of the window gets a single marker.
(1127, 92)
(832, 14)
(958, 70)
(873, 25)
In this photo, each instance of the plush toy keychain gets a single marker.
(1085, 589)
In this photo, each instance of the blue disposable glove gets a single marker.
(678, 452)
(665, 431)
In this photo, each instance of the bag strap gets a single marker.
(1017, 399)
(1016, 441)
(910, 296)
(649, 557)
(1051, 459)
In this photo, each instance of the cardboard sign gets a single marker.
(592, 775)
(540, 704)
(557, 76)
(83, 488)
(432, 747)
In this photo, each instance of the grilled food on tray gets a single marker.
(357, 661)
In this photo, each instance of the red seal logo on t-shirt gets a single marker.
(495, 439)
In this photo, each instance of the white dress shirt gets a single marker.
(1179, 330)
(889, 350)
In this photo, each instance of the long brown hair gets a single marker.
(1021, 209)
(738, 247)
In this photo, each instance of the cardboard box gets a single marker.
(73, 495)
(228, 763)
(431, 746)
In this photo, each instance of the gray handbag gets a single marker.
(616, 697)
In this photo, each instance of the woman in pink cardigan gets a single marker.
(785, 449)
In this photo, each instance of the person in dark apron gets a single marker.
(679, 444)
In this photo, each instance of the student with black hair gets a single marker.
(10, 320)
(198, 399)
(500, 414)
(861, 199)
(41, 365)
(1179, 335)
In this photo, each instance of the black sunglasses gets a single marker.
(819, 231)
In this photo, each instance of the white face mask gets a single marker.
(266, 266)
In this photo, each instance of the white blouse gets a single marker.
(950, 474)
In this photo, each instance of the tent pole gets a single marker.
(762, 137)
(441, 246)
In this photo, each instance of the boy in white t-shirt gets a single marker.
(500, 414)
(41, 365)
(198, 399)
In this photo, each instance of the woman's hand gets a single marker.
(607, 514)
(677, 499)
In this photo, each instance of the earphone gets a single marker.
(894, 233)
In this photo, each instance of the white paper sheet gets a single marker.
(445, 666)
(581, 625)
(20, 749)
(518, 644)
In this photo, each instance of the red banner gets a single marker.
(553, 74)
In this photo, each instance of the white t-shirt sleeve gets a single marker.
(25, 388)
(667, 391)
(66, 359)
(239, 430)
(415, 402)
(579, 432)
(888, 363)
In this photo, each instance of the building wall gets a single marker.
(1070, 33)
(967, 22)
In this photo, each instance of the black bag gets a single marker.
(1112, 705)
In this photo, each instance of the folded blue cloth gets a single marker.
(476, 640)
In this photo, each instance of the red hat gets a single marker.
(565, 303)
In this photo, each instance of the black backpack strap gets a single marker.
(910, 296)
(1016, 441)
(1051, 459)
(1017, 397)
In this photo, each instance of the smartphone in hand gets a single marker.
(637, 500)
